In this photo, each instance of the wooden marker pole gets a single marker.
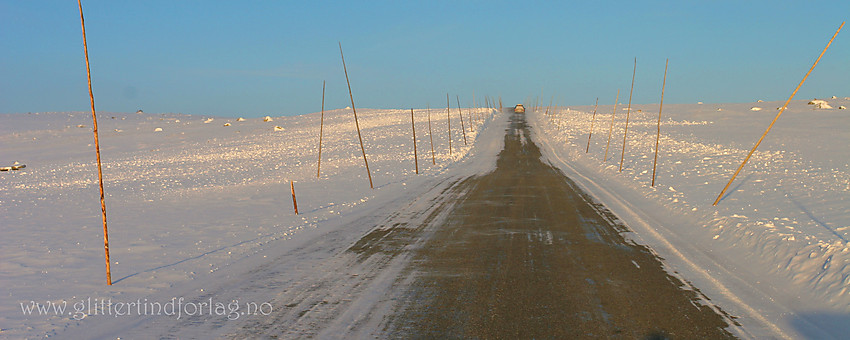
(471, 115)
(321, 127)
(777, 117)
(470, 112)
(559, 118)
(97, 150)
(431, 137)
(480, 113)
(592, 120)
(492, 106)
(537, 101)
(658, 136)
(294, 202)
(628, 113)
(415, 154)
(449, 120)
(564, 117)
(486, 108)
(611, 129)
(462, 128)
(362, 149)
(483, 113)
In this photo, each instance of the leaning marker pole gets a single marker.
(449, 120)
(355, 117)
(469, 115)
(628, 113)
(658, 136)
(97, 150)
(294, 202)
(776, 118)
(415, 154)
(321, 127)
(431, 137)
(459, 112)
(591, 125)
(611, 129)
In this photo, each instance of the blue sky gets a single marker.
(257, 58)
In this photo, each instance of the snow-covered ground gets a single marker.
(774, 251)
(198, 204)
(191, 201)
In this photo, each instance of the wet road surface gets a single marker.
(526, 254)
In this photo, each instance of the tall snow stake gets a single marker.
(431, 137)
(470, 112)
(658, 136)
(97, 150)
(611, 129)
(362, 149)
(592, 120)
(415, 154)
(777, 117)
(459, 112)
(321, 127)
(628, 113)
(449, 120)
(294, 202)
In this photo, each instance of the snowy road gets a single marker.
(341, 286)
(525, 254)
(518, 252)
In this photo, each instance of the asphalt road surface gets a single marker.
(525, 254)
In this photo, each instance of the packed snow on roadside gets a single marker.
(188, 202)
(775, 249)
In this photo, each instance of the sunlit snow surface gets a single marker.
(782, 229)
(199, 202)
(188, 196)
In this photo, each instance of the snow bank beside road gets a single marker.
(780, 235)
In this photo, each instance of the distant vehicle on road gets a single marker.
(519, 108)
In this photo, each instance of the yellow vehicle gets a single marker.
(519, 108)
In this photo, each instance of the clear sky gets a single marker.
(257, 58)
